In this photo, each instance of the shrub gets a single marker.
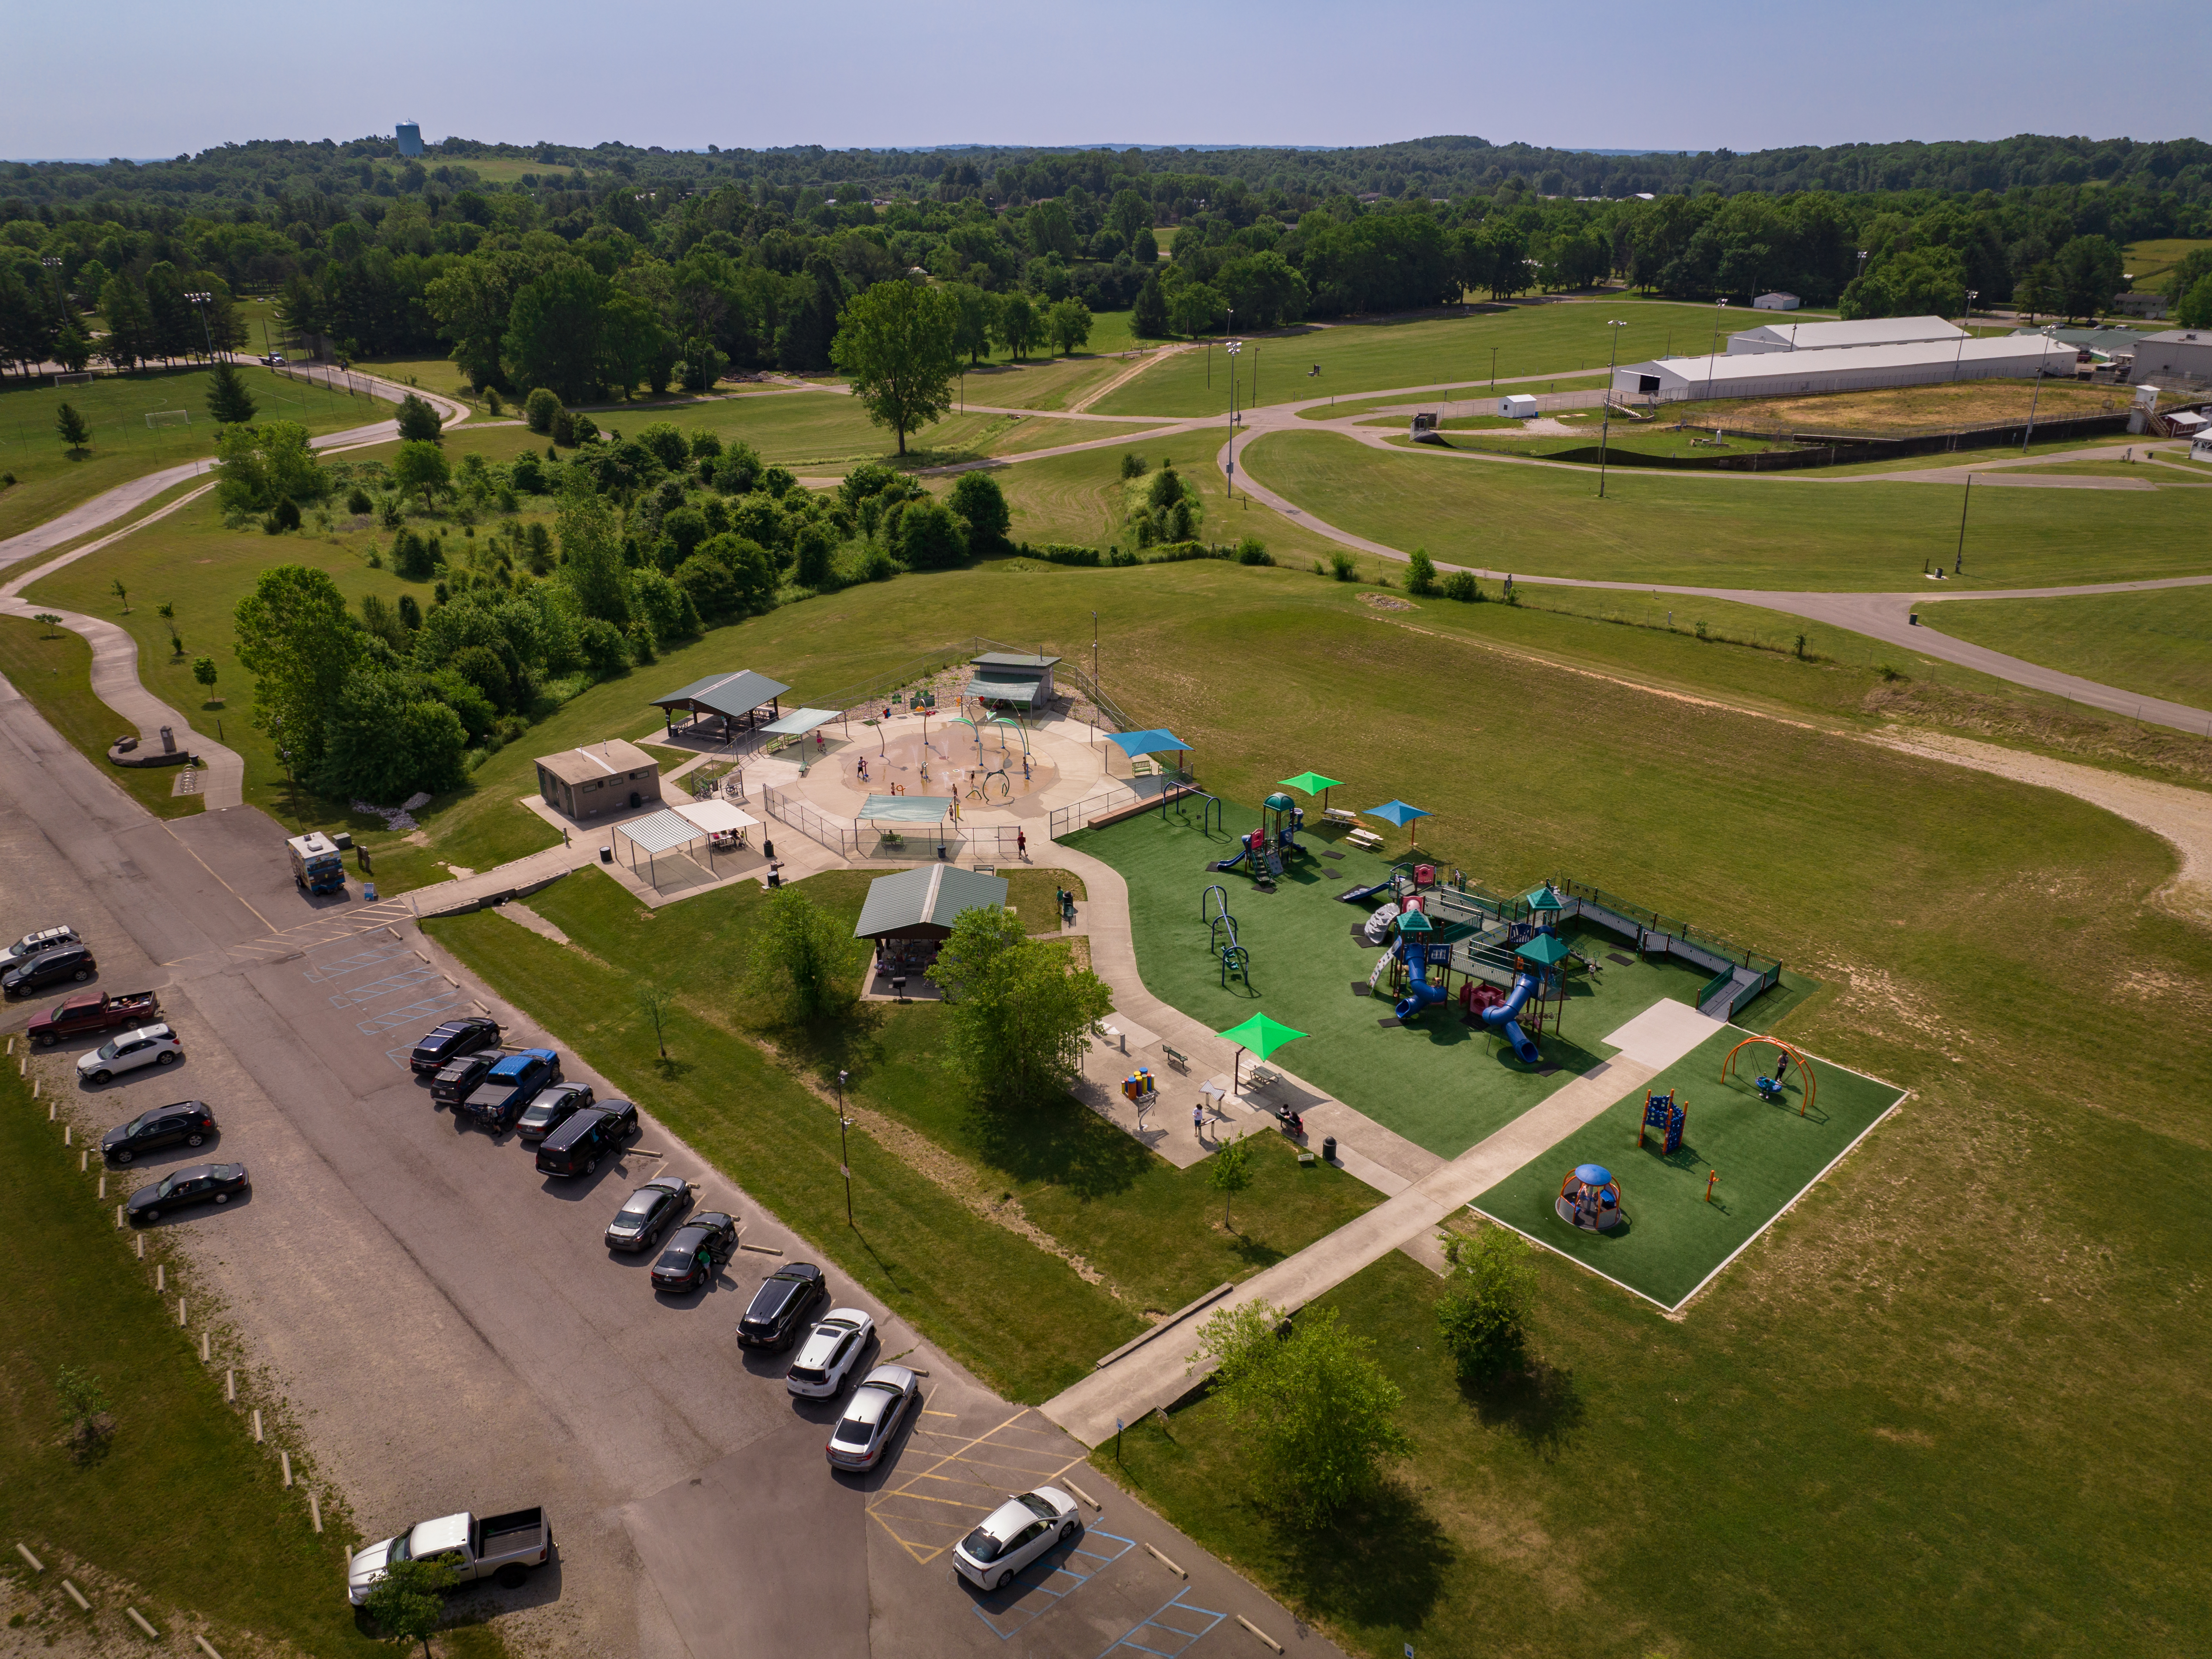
(982, 506)
(929, 538)
(585, 428)
(778, 481)
(1343, 566)
(816, 548)
(391, 512)
(705, 445)
(666, 442)
(526, 472)
(1420, 573)
(1132, 466)
(358, 502)
(1253, 550)
(1461, 585)
(601, 643)
(564, 429)
(540, 409)
(738, 469)
(492, 403)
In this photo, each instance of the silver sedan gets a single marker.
(872, 1417)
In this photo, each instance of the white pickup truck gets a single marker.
(504, 1547)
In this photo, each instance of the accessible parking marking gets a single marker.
(1051, 1579)
(1169, 1631)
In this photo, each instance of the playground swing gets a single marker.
(1770, 1088)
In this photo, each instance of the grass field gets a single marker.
(48, 482)
(1675, 1238)
(54, 673)
(2158, 643)
(1566, 340)
(184, 1506)
(1728, 530)
(2148, 261)
(1908, 408)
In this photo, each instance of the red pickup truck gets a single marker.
(95, 1011)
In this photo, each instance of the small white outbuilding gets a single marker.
(1776, 302)
(1519, 406)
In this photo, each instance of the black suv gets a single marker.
(188, 1120)
(457, 1078)
(452, 1040)
(778, 1308)
(576, 1148)
(49, 967)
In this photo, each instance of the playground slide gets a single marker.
(1421, 993)
(1354, 894)
(1232, 864)
(1500, 1019)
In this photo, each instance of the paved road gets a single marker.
(451, 1331)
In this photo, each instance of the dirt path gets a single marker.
(1118, 381)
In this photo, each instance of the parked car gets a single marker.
(32, 944)
(187, 1122)
(200, 1183)
(651, 1211)
(1014, 1535)
(451, 1040)
(67, 960)
(785, 1298)
(504, 1547)
(595, 1132)
(511, 1085)
(702, 1244)
(150, 1045)
(95, 1011)
(554, 1106)
(826, 1359)
(457, 1078)
(872, 1417)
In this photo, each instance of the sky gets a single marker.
(164, 79)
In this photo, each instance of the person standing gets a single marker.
(1198, 1120)
(1022, 845)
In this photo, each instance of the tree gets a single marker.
(816, 546)
(539, 408)
(980, 505)
(384, 741)
(421, 465)
(228, 402)
(971, 331)
(257, 466)
(2195, 309)
(1420, 573)
(1017, 1010)
(1068, 323)
(1483, 1313)
(122, 594)
(898, 345)
(654, 1003)
(418, 422)
(1196, 309)
(553, 331)
(296, 640)
(590, 553)
(1148, 318)
(1017, 324)
(2089, 272)
(1315, 1415)
(802, 966)
(75, 433)
(406, 1603)
(929, 538)
(1228, 1171)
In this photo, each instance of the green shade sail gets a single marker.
(1261, 1034)
(1312, 783)
(1546, 948)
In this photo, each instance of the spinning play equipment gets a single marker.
(1769, 1089)
(1667, 1115)
(1141, 1087)
(1589, 1198)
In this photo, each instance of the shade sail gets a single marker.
(1312, 783)
(906, 809)
(1396, 811)
(1261, 1034)
(659, 832)
(1134, 744)
(1027, 693)
(800, 722)
(715, 817)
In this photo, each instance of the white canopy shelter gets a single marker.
(715, 817)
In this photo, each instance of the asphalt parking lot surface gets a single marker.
(447, 1329)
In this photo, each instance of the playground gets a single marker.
(1433, 1077)
(1765, 1151)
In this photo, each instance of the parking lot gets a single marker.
(449, 1329)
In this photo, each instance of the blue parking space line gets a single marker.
(1175, 1639)
(1005, 1623)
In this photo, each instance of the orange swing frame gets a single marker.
(1796, 1055)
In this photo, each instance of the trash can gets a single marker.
(369, 891)
(1328, 1149)
(607, 855)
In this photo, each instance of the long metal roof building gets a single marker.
(1831, 337)
(1796, 374)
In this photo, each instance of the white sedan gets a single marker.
(150, 1045)
(1014, 1535)
(826, 1359)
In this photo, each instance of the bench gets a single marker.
(1177, 1055)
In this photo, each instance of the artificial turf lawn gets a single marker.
(1436, 1081)
(1766, 1156)
(183, 1504)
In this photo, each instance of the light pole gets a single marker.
(201, 301)
(1493, 368)
(1232, 348)
(1861, 270)
(1965, 334)
(1094, 676)
(1605, 432)
(1713, 357)
(844, 1157)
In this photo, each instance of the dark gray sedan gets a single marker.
(202, 1183)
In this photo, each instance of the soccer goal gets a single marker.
(82, 377)
(169, 417)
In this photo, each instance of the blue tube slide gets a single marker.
(1500, 1019)
(1420, 994)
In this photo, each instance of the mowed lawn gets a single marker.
(53, 671)
(183, 1504)
(2158, 643)
(1562, 340)
(49, 480)
(1730, 530)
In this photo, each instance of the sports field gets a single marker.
(1765, 1153)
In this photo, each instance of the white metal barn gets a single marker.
(1678, 379)
(1829, 337)
(1518, 407)
(1776, 302)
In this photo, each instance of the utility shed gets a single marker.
(1776, 302)
(600, 777)
(1796, 373)
(1837, 337)
(2175, 351)
(1006, 676)
(922, 903)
